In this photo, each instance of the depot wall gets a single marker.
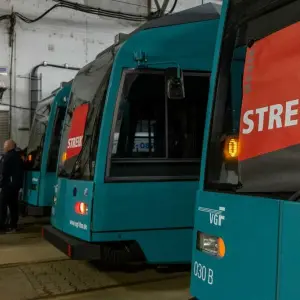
(62, 37)
(186, 4)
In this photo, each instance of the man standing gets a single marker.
(11, 181)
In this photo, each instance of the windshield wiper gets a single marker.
(89, 134)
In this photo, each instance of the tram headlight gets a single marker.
(231, 148)
(209, 244)
(81, 208)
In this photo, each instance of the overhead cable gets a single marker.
(99, 11)
(81, 8)
(173, 7)
(94, 11)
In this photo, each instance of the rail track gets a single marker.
(51, 278)
(65, 277)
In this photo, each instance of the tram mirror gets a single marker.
(175, 83)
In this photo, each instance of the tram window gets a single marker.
(155, 136)
(38, 133)
(186, 119)
(55, 139)
(141, 119)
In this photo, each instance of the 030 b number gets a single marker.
(203, 273)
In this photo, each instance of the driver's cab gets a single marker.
(247, 211)
(42, 152)
(135, 123)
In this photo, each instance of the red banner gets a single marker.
(77, 130)
(271, 94)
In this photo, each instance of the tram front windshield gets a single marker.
(37, 134)
(254, 134)
(83, 118)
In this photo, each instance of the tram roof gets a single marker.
(200, 13)
(205, 12)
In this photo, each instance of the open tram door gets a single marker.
(247, 214)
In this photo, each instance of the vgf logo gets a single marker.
(216, 216)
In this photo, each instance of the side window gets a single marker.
(37, 135)
(144, 137)
(55, 139)
(90, 169)
(186, 119)
(140, 128)
(154, 136)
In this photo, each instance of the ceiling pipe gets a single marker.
(34, 83)
(164, 7)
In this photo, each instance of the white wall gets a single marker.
(185, 4)
(63, 36)
(127, 6)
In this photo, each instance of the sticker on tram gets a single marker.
(203, 273)
(76, 133)
(216, 216)
(78, 225)
(270, 107)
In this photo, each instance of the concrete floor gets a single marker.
(173, 289)
(25, 247)
(31, 269)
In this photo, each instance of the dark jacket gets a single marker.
(11, 171)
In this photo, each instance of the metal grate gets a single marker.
(4, 128)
